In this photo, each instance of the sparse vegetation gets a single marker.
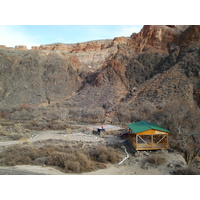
(71, 162)
(126, 114)
(183, 122)
(104, 154)
(186, 171)
(25, 106)
(2, 114)
(13, 131)
(155, 160)
(68, 158)
(87, 115)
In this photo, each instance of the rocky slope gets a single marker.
(157, 65)
(156, 69)
(35, 77)
(50, 72)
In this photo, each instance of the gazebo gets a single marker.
(148, 136)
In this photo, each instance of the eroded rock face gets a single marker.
(120, 40)
(191, 36)
(3, 47)
(156, 38)
(89, 55)
(157, 65)
(74, 48)
(21, 47)
(164, 65)
(18, 47)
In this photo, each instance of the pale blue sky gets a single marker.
(31, 35)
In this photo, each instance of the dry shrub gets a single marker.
(33, 123)
(125, 113)
(85, 161)
(71, 162)
(183, 121)
(186, 171)
(56, 125)
(18, 155)
(87, 115)
(104, 154)
(3, 114)
(155, 160)
(14, 132)
(58, 159)
(72, 166)
(16, 136)
(36, 125)
(24, 106)
(51, 125)
(3, 132)
(69, 158)
(76, 162)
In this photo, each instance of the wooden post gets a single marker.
(167, 141)
(152, 141)
(136, 141)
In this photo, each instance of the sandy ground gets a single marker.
(125, 170)
(29, 170)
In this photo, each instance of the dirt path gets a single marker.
(125, 170)
(7, 143)
(29, 170)
(61, 135)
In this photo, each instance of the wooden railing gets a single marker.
(147, 144)
(151, 146)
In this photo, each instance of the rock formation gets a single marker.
(74, 48)
(158, 65)
(156, 38)
(21, 47)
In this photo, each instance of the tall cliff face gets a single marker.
(158, 65)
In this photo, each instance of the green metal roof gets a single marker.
(141, 126)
